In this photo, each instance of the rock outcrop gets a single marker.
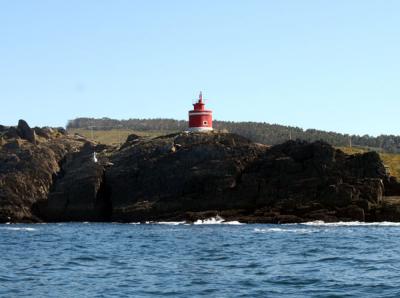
(30, 168)
(176, 177)
(48, 175)
(79, 192)
(168, 176)
(25, 132)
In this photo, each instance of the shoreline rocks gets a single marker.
(48, 175)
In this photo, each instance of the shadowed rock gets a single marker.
(25, 132)
(27, 171)
(172, 176)
(79, 192)
(188, 176)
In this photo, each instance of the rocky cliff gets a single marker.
(48, 175)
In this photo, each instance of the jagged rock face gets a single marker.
(26, 175)
(179, 176)
(313, 182)
(177, 173)
(79, 192)
(28, 170)
(55, 177)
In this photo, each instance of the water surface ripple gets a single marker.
(154, 260)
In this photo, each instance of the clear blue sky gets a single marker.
(332, 65)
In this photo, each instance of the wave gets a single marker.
(350, 223)
(18, 229)
(285, 230)
(215, 221)
(172, 223)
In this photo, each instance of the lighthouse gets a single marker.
(200, 119)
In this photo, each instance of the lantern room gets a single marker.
(200, 119)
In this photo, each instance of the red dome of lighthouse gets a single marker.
(200, 119)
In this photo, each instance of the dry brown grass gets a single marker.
(391, 160)
(113, 136)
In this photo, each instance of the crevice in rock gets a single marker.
(103, 200)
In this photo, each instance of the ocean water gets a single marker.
(207, 259)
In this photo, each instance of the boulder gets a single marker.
(43, 132)
(130, 140)
(61, 130)
(25, 132)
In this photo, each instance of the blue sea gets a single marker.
(206, 259)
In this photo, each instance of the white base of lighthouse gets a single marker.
(200, 129)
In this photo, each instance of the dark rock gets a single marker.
(189, 177)
(388, 210)
(131, 140)
(367, 165)
(352, 212)
(43, 132)
(79, 192)
(392, 186)
(61, 130)
(11, 133)
(26, 174)
(195, 177)
(25, 132)
(156, 179)
(285, 219)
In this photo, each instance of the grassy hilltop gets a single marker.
(118, 136)
(259, 132)
(113, 136)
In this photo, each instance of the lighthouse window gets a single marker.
(205, 123)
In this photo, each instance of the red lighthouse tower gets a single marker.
(200, 119)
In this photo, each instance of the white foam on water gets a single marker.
(351, 224)
(217, 220)
(234, 223)
(208, 221)
(285, 230)
(172, 223)
(18, 229)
